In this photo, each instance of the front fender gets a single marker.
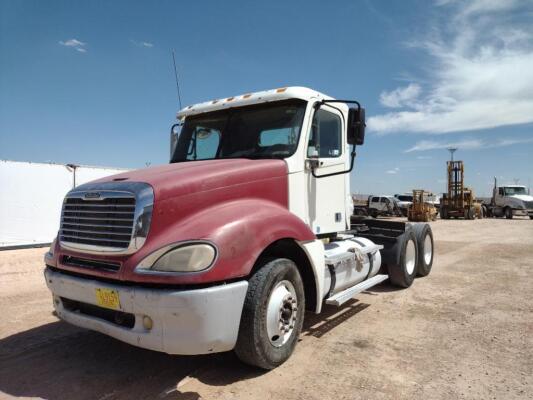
(240, 229)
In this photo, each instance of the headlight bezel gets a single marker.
(147, 263)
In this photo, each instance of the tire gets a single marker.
(425, 244)
(373, 213)
(404, 271)
(531, 217)
(443, 213)
(508, 213)
(276, 285)
(471, 213)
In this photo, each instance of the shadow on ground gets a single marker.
(59, 361)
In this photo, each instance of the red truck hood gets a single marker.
(179, 179)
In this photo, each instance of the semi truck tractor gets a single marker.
(509, 201)
(227, 246)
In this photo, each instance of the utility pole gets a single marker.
(452, 150)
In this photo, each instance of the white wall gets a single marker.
(31, 195)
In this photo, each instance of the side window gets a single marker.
(500, 191)
(204, 144)
(325, 140)
(375, 199)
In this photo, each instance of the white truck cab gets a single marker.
(512, 200)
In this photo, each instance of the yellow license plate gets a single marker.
(108, 298)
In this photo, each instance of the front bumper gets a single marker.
(190, 322)
(522, 212)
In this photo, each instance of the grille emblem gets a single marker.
(92, 195)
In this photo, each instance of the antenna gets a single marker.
(176, 76)
(452, 150)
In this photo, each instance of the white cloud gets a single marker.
(75, 44)
(400, 97)
(424, 157)
(142, 44)
(393, 171)
(481, 74)
(465, 144)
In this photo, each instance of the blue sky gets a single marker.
(92, 83)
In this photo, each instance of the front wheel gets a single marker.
(508, 213)
(272, 315)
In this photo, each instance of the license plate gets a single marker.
(108, 298)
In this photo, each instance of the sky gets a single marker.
(92, 82)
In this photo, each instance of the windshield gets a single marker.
(405, 198)
(510, 191)
(269, 130)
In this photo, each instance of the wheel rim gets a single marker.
(428, 249)
(410, 257)
(282, 311)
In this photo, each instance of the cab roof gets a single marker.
(265, 96)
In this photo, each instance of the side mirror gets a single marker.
(175, 131)
(356, 126)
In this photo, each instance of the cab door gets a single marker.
(327, 151)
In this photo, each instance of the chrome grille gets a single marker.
(106, 222)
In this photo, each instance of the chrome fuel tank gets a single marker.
(349, 262)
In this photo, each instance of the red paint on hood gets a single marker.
(184, 178)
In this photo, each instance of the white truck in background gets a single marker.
(404, 201)
(376, 206)
(509, 201)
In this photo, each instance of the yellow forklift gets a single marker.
(421, 210)
(458, 202)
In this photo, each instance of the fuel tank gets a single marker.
(349, 262)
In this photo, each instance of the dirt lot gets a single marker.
(466, 331)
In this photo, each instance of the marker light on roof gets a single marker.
(214, 102)
(245, 96)
(281, 90)
(230, 98)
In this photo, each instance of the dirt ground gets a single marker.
(465, 331)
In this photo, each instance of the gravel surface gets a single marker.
(465, 331)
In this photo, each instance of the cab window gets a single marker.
(325, 140)
(204, 143)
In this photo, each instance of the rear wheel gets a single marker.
(272, 315)
(403, 273)
(424, 239)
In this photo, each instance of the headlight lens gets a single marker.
(182, 258)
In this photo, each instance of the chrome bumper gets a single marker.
(196, 321)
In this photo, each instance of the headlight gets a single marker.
(192, 257)
(142, 226)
